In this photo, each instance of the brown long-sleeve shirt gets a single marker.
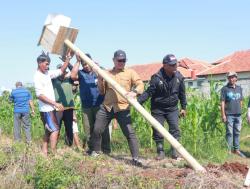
(128, 79)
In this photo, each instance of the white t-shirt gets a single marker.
(43, 85)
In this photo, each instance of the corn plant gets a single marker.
(6, 113)
(202, 131)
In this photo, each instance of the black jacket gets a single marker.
(165, 92)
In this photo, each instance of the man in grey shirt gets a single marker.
(231, 104)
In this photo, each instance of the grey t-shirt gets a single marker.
(232, 97)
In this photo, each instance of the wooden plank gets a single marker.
(47, 39)
(247, 179)
(39, 42)
(54, 43)
(64, 33)
(183, 152)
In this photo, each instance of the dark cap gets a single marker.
(88, 55)
(169, 59)
(43, 57)
(120, 54)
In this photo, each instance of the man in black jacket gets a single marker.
(166, 89)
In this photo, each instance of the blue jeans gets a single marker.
(23, 118)
(233, 127)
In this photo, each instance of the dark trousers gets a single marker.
(172, 119)
(67, 117)
(89, 117)
(104, 117)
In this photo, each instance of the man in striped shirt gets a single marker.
(22, 100)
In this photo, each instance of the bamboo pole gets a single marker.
(192, 162)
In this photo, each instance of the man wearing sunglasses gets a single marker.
(115, 106)
(166, 89)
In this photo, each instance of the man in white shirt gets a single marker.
(46, 99)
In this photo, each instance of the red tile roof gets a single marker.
(185, 72)
(145, 71)
(194, 64)
(238, 62)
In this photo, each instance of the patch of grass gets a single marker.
(53, 174)
(3, 160)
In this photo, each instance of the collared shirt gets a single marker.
(89, 92)
(21, 97)
(128, 79)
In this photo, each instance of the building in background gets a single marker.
(198, 74)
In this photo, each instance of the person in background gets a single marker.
(46, 99)
(248, 111)
(76, 139)
(22, 99)
(166, 89)
(76, 132)
(115, 106)
(231, 109)
(90, 100)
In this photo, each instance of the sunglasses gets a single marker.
(122, 60)
(171, 65)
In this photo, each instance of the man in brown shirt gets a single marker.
(115, 106)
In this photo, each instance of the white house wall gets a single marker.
(243, 81)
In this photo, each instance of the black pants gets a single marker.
(67, 117)
(104, 117)
(172, 119)
(89, 117)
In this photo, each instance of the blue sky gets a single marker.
(146, 30)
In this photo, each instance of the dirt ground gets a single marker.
(170, 173)
(177, 174)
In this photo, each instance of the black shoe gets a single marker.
(94, 154)
(89, 152)
(106, 152)
(174, 154)
(239, 153)
(136, 162)
(160, 155)
(177, 157)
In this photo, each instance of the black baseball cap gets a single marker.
(120, 54)
(169, 59)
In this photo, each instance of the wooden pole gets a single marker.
(193, 163)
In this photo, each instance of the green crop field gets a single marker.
(202, 134)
